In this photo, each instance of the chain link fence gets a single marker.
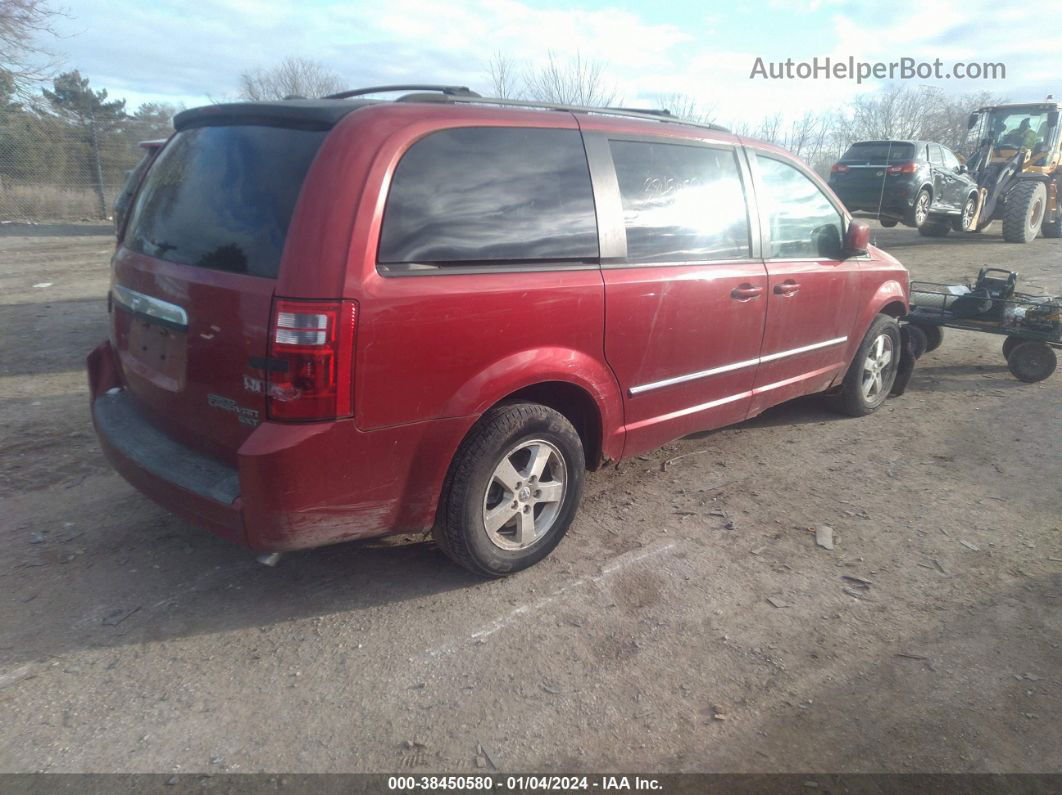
(54, 171)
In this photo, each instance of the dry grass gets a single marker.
(27, 202)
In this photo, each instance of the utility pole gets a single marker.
(95, 141)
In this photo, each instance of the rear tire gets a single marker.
(496, 514)
(1024, 213)
(1009, 344)
(918, 213)
(888, 223)
(934, 229)
(871, 374)
(1032, 361)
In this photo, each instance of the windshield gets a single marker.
(222, 197)
(1017, 127)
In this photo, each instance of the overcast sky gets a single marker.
(193, 52)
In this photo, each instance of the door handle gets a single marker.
(787, 288)
(746, 292)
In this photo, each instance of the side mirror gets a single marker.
(856, 239)
(961, 169)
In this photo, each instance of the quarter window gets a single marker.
(491, 194)
(803, 223)
(680, 203)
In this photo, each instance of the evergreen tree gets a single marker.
(74, 101)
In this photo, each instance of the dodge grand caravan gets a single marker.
(342, 318)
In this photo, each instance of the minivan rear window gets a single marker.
(880, 152)
(481, 195)
(221, 197)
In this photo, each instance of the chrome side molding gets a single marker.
(726, 368)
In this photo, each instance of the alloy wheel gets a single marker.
(524, 495)
(922, 208)
(876, 368)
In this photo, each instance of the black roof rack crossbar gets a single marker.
(450, 91)
(631, 113)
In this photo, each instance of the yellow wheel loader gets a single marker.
(1018, 167)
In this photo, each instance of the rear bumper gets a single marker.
(895, 200)
(191, 485)
(295, 485)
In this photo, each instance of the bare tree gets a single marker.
(575, 81)
(298, 77)
(23, 60)
(503, 72)
(771, 129)
(685, 106)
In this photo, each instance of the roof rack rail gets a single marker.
(450, 91)
(663, 116)
(650, 111)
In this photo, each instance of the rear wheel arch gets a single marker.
(578, 407)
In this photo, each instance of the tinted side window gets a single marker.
(680, 203)
(802, 221)
(481, 194)
(935, 157)
(222, 197)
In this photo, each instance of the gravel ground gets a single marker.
(688, 622)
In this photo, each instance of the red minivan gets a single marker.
(342, 318)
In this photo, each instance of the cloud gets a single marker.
(191, 52)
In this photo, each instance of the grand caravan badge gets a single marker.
(245, 415)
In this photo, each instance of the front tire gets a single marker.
(965, 221)
(514, 488)
(872, 372)
(1024, 213)
(888, 223)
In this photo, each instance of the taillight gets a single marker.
(839, 168)
(902, 168)
(311, 372)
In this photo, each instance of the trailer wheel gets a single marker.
(1032, 361)
(934, 334)
(1009, 344)
(919, 341)
(1024, 213)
